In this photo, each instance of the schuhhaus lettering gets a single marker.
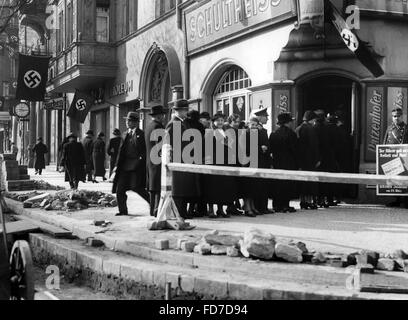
(376, 107)
(217, 19)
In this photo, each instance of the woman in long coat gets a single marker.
(40, 149)
(309, 160)
(219, 190)
(284, 147)
(113, 149)
(99, 156)
(73, 159)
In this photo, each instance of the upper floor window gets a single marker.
(70, 24)
(163, 6)
(6, 89)
(128, 18)
(102, 24)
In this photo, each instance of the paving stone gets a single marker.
(258, 244)
(386, 264)
(203, 249)
(131, 272)
(213, 288)
(288, 253)
(188, 246)
(162, 244)
(233, 252)
(187, 283)
(218, 250)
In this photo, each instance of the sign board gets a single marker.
(392, 160)
(375, 120)
(217, 21)
(387, 7)
(54, 104)
(397, 98)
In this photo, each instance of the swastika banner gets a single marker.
(351, 40)
(32, 77)
(80, 106)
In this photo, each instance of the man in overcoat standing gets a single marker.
(73, 159)
(131, 164)
(40, 149)
(154, 170)
(88, 144)
(185, 185)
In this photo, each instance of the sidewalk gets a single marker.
(345, 229)
(342, 230)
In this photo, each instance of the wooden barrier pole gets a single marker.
(308, 176)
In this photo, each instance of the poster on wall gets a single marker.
(261, 100)
(375, 121)
(240, 106)
(397, 98)
(392, 160)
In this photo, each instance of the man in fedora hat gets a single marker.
(131, 164)
(113, 148)
(284, 147)
(185, 185)
(73, 159)
(88, 144)
(154, 170)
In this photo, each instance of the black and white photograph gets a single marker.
(203, 155)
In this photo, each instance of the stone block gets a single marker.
(386, 264)
(288, 253)
(147, 277)
(319, 258)
(27, 205)
(187, 283)
(203, 249)
(188, 246)
(40, 198)
(224, 240)
(162, 244)
(258, 244)
(111, 268)
(219, 250)
(213, 288)
(85, 260)
(96, 243)
(400, 254)
(368, 257)
(233, 252)
(366, 268)
(131, 272)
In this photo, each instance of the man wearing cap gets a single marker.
(185, 185)
(205, 120)
(73, 159)
(264, 160)
(397, 133)
(153, 137)
(113, 148)
(88, 144)
(284, 148)
(131, 164)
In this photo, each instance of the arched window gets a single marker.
(232, 96)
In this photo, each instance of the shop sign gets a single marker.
(375, 123)
(392, 160)
(281, 103)
(55, 104)
(122, 88)
(389, 7)
(218, 21)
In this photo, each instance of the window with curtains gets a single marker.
(127, 22)
(102, 24)
(164, 6)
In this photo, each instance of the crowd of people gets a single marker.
(320, 143)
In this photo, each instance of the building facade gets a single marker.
(232, 56)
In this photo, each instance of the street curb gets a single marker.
(153, 277)
(187, 283)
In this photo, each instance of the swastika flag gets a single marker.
(80, 106)
(351, 40)
(32, 77)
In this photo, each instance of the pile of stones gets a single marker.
(258, 245)
(67, 200)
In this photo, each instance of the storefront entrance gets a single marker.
(336, 95)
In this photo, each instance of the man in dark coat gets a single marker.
(185, 185)
(153, 138)
(284, 148)
(73, 159)
(99, 156)
(264, 161)
(88, 149)
(397, 133)
(309, 159)
(113, 149)
(40, 149)
(131, 164)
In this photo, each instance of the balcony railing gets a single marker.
(83, 54)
